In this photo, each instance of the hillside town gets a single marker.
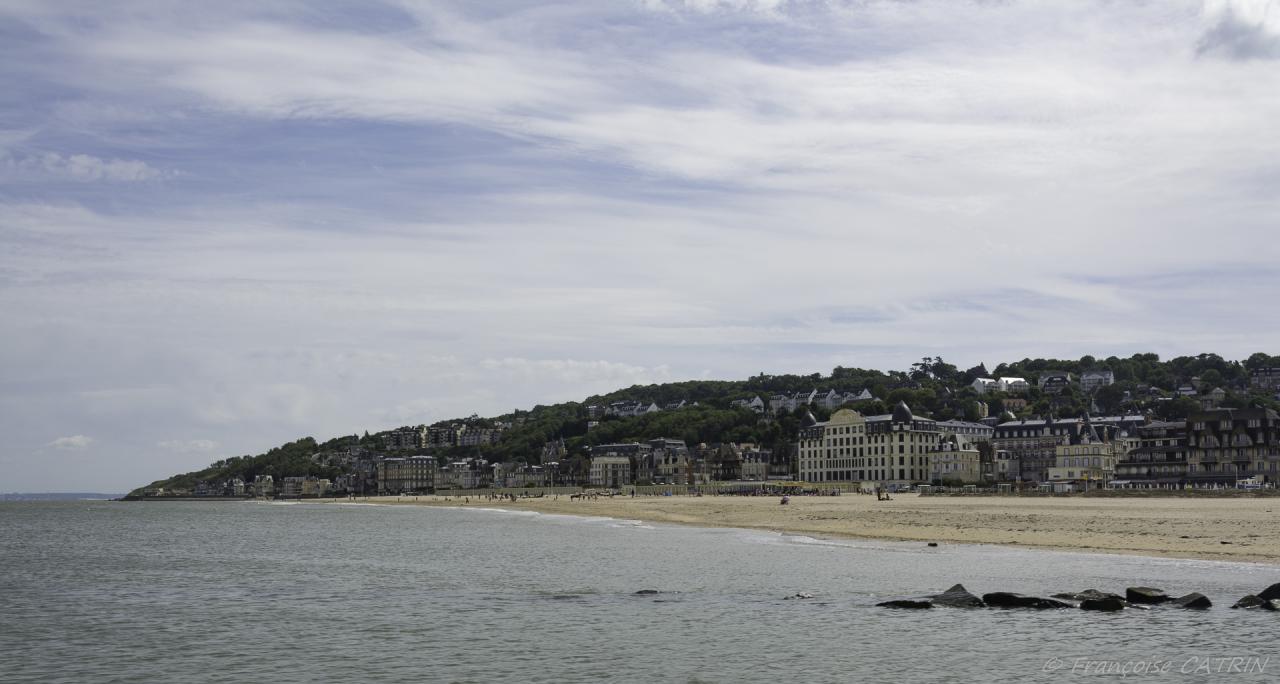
(1213, 446)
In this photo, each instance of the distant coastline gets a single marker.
(58, 496)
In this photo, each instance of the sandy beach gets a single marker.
(1156, 526)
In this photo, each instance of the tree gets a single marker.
(1211, 378)
(1177, 408)
(1110, 397)
(1260, 360)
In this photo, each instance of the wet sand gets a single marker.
(1154, 526)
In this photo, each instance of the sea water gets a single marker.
(258, 592)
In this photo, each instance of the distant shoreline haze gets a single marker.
(57, 496)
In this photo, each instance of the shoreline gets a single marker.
(1160, 528)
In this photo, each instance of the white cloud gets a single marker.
(81, 167)
(576, 372)
(72, 442)
(470, 207)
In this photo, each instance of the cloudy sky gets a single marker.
(227, 225)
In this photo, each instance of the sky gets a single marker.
(224, 226)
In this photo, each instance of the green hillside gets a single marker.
(931, 387)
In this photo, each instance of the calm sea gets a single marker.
(256, 592)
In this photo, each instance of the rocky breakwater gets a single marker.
(1140, 597)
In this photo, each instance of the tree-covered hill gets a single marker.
(932, 387)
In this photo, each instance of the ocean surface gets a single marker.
(257, 592)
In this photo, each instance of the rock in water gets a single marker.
(1145, 595)
(1252, 601)
(1088, 594)
(646, 592)
(1004, 599)
(915, 605)
(800, 595)
(1107, 605)
(1271, 593)
(957, 597)
(1194, 600)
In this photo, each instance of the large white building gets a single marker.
(892, 449)
(1093, 379)
(899, 447)
(828, 451)
(610, 471)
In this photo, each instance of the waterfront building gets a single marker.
(291, 487)
(264, 486)
(610, 471)
(1005, 466)
(314, 487)
(416, 474)
(830, 451)
(671, 462)
(1228, 445)
(1159, 461)
(1032, 443)
(956, 461)
(1085, 460)
(754, 462)
(972, 432)
(897, 448)
(472, 473)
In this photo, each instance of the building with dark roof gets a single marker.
(1228, 445)
(1159, 462)
(1033, 444)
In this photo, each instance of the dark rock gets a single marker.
(1103, 604)
(1193, 600)
(1145, 595)
(1271, 593)
(957, 597)
(905, 603)
(646, 592)
(933, 543)
(1004, 599)
(1087, 595)
(1252, 601)
(800, 595)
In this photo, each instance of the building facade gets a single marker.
(1033, 444)
(956, 461)
(830, 451)
(1159, 461)
(1229, 445)
(898, 448)
(610, 471)
(1093, 379)
(1085, 461)
(416, 474)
